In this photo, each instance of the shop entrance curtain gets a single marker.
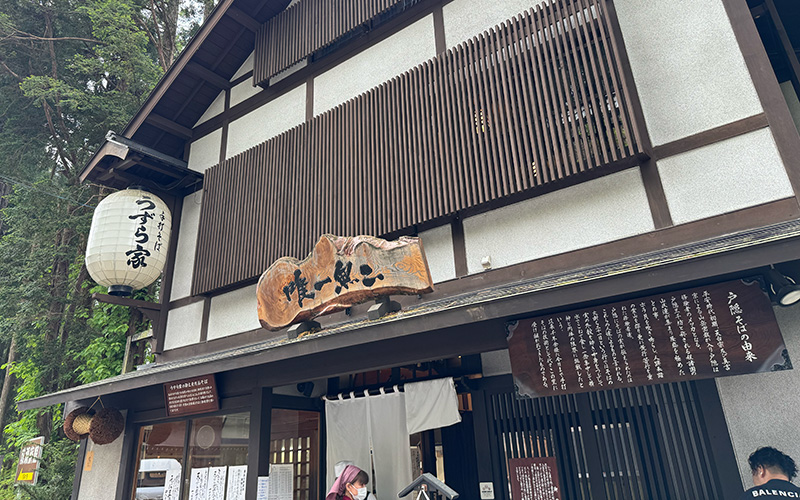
(390, 444)
(347, 434)
(356, 425)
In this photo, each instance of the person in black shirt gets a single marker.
(772, 472)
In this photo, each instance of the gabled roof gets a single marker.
(201, 71)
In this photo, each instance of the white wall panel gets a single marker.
(271, 119)
(204, 152)
(377, 64)
(688, 67)
(187, 245)
(183, 326)
(233, 312)
(591, 213)
(730, 175)
(438, 245)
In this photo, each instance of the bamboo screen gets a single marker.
(541, 98)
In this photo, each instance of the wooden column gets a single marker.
(260, 427)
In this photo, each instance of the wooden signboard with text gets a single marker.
(29, 457)
(341, 272)
(711, 331)
(534, 478)
(191, 396)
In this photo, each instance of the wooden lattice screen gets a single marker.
(541, 98)
(308, 26)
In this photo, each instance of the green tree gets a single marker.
(70, 70)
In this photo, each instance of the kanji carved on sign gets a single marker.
(339, 273)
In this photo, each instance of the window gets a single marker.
(213, 442)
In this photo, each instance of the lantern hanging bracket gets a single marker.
(151, 310)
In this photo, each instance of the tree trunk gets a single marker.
(5, 189)
(8, 382)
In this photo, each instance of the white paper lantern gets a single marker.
(128, 241)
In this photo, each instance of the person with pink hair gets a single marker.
(350, 485)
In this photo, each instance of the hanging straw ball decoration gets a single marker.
(74, 426)
(159, 433)
(106, 426)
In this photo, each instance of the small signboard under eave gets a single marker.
(705, 332)
(191, 396)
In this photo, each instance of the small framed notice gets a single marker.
(534, 478)
(191, 396)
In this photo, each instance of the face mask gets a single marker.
(362, 493)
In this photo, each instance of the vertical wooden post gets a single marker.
(258, 450)
(721, 448)
(484, 445)
(590, 446)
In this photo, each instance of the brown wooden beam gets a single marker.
(208, 75)
(170, 126)
(245, 20)
(151, 310)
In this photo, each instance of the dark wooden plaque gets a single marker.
(191, 396)
(534, 478)
(341, 272)
(711, 331)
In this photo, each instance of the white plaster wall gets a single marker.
(187, 244)
(244, 91)
(246, 66)
(687, 65)
(233, 312)
(216, 107)
(761, 408)
(204, 152)
(792, 101)
(271, 119)
(730, 175)
(438, 245)
(463, 19)
(377, 64)
(101, 481)
(183, 326)
(495, 363)
(590, 213)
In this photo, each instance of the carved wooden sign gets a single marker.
(341, 272)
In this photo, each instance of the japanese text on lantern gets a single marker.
(137, 256)
(676, 336)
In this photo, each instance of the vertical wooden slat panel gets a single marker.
(535, 100)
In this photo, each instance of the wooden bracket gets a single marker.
(151, 310)
(304, 326)
(382, 307)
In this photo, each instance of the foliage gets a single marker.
(70, 70)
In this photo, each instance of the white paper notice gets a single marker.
(172, 485)
(263, 488)
(237, 481)
(281, 484)
(216, 483)
(198, 487)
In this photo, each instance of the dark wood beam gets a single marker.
(151, 310)
(208, 75)
(168, 125)
(244, 19)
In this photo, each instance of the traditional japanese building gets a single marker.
(607, 196)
